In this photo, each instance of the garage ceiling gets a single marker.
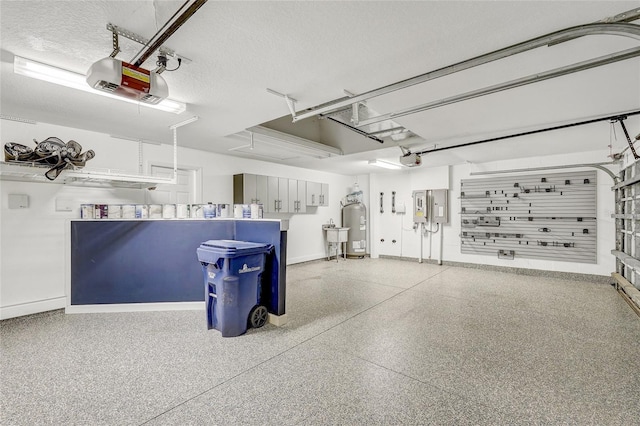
(315, 50)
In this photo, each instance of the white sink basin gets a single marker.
(337, 235)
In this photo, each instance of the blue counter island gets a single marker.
(151, 264)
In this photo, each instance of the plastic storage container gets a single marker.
(232, 274)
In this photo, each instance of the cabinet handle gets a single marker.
(275, 205)
(313, 198)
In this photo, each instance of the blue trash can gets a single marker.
(232, 273)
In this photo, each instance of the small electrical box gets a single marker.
(420, 206)
(18, 201)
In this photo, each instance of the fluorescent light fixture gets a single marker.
(77, 81)
(18, 119)
(292, 143)
(384, 164)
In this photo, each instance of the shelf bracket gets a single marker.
(116, 44)
(119, 31)
(291, 103)
(355, 108)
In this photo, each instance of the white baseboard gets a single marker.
(30, 308)
(135, 307)
(300, 259)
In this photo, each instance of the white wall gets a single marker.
(32, 259)
(388, 226)
(32, 240)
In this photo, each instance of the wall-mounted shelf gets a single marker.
(107, 178)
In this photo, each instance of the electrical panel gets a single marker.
(439, 206)
(420, 206)
(431, 205)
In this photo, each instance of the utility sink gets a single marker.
(337, 235)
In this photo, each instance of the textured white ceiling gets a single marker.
(313, 50)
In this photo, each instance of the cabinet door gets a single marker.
(293, 196)
(297, 196)
(261, 190)
(283, 195)
(324, 194)
(302, 196)
(313, 193)
(272, 195)
(244, 188)
(249, 189)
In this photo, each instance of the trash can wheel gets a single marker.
(258, 316)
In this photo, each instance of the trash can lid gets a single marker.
(233, 248)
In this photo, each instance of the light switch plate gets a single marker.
(18, 201)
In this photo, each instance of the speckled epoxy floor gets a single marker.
(369, 341)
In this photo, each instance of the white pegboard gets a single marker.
(543, 216)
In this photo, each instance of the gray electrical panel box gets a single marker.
(420, 206)
(439, 206)
(431, 205)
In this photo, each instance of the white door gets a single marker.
(182, 192)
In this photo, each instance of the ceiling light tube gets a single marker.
(384, 164)
(77, 81)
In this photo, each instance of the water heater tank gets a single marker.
(354, 216)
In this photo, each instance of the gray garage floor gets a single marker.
(371, 341)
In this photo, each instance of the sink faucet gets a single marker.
(330, 221)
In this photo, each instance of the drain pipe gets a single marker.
(430, 238)
(441, 244)
(421, 241)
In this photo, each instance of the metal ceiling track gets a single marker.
(622, 28)
(610, 118)
(599, 166)
(512, 84)
(167, 30)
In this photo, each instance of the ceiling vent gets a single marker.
(122, 79)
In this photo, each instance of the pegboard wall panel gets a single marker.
(543, 216)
